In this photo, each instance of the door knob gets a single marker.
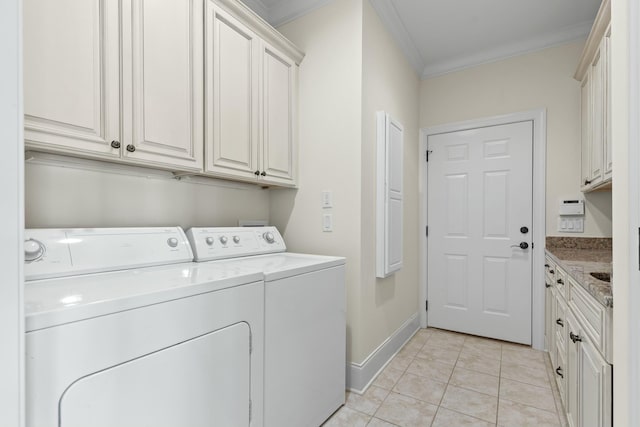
(522, 245)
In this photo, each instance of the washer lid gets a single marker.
(56, 301)
(280, 265)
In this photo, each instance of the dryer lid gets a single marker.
(68, 252)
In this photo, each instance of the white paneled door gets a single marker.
(480, 227)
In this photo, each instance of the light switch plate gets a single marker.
(327, 199)
(571, 224)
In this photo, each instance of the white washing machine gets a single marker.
(305, 320)
(124, 330)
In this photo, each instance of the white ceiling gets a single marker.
(441, 36)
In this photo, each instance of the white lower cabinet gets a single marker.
(589, 387)
(119, 81)
(583, 374)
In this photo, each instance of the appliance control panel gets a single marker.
(67, 252)
(211, 243)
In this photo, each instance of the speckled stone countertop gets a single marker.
(581, 256)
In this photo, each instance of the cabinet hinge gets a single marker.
(427, 231)
(426, 305)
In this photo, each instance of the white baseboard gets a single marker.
(360, 375)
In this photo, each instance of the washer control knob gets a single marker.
(224, 240)
(209, 241)
(268, 236)
(236, 239)
(172, 241)
(33, 250)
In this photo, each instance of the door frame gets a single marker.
(539, 119)
(12, 217)
(626, 379)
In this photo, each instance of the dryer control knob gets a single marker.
(224, 240)
(172, 241)
(209, 241)
(33, 250)
(268, 236)
(236, 239)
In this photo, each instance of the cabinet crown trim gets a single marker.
(262, 28)
(603, 18)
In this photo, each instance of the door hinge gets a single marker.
(427, 231)
(426, 155)
(426, 305)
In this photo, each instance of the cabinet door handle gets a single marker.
(587, 182)
(546, 266)
(575, 338)
(559, 372)
(115, 144)
(263, 173)
(560, 281)
(546, 285)
(131, 148)
(560, 322)
(256, 173)
(552, 272)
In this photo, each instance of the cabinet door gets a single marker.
(231, 91)
(594, 387)
(278, 147)
(585, 110)
(572, 403)
(162, 83)
(608, 162)
(548, 315)
(71, 76)
(597, 116)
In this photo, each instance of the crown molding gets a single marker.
(391, 19)
(284, 11)
(566, 35)
(603, 18)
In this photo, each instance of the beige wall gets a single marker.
(389, 84)
(65, 197)
(330, 94)
(541, 79)
(351, 70)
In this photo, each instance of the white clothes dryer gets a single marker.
(305, 320)
(122, 329)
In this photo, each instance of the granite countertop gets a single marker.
(578, 260)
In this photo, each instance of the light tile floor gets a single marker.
(446, 379)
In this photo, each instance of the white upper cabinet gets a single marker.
(251, 74)
(112, 83)
(162, 82)
(594, 74)
(608, 163)
(200, 87)
(72, 76)
(585, 134)
(278, 147)
(231, 125)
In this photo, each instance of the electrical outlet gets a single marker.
(327, 222)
